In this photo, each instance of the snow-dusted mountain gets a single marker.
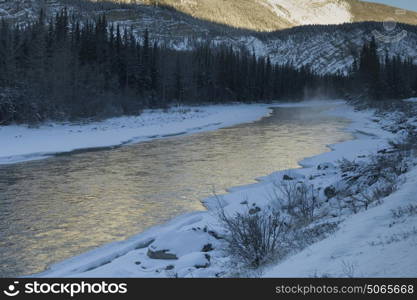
(270, 15)
(305, 12)
(267, 26)
(259, 15)
(332, 49)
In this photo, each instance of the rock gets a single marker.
(169, 267)
(386, 151)
(330, 192)
(286, 177)
(206, 264)
(255, 210)
(215, 235)
(207, 248)
(176, 243)
(325, 166)
(161, 254)
(197, 260)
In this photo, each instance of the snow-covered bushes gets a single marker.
(304, 236)
(407, 143)
(315, 203)
(367, 182)
(378, 167)
(407, 211)
(297, 198)
(377, 177)
(346, 165)
(255, 238)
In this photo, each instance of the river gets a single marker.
(59, 207)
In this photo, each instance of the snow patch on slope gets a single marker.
(306, 12)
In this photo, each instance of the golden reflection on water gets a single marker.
(59, 207)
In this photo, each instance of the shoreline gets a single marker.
(52, 139)
(103, 261)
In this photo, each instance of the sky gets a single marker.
(407, 4)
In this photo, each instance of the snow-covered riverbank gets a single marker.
(191, 244)
(379, 242)
(20, 143)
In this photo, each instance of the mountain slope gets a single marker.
(180, 23)
(332, 49)
(366, 11)
(259, 15)
(270, 15)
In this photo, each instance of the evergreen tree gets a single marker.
(62, 68)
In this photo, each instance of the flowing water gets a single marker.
(56, 208)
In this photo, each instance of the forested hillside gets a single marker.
(249, 24)
(59, 68)
(63, 69)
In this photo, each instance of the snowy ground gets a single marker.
(370, 243)
(373, 243)
(20, 143)
(378, 242)
(411, 100)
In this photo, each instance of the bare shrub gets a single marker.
(368, 182)
(380, 170)
(305, 236)
(408, 211)
(357, 199)
(388, 164)
(348, 269)
(381, 192)
(395, 238)
(408, 143)
(385, 167)
(298, 199)
(353, 203)
(255, 238)
(346, 165)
